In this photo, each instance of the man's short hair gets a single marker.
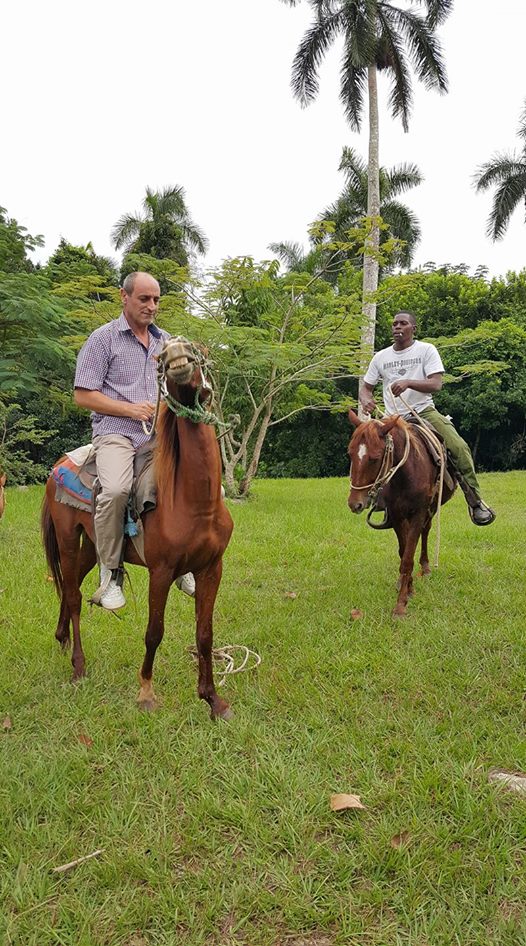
(411, 315)
(129, 283)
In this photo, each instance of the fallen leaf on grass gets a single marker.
(515, 781)
(356, 614)
(290, 594)
(343, 802)
(7, 724)
(85, 740)
(399, 840)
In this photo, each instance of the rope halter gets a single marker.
(198, 413)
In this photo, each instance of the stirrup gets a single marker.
(493, 514)
(384, 524)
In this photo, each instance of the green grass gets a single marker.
(221, 834)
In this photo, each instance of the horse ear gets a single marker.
(388, 424)
(354, 419)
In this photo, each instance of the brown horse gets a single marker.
(391, 455)
(188, 530)
(2, 494)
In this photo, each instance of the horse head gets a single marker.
(181, 367)
(367, 453)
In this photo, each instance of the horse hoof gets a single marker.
(227, 713)
(399, 613)
(147, 706)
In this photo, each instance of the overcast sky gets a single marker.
(101, 99)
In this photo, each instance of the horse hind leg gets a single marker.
(87, 560)
(408, 540)
(425, 568)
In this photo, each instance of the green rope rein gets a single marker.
(197, 414)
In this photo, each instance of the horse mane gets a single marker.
(414, 437)
(166, 454)
(376, 443)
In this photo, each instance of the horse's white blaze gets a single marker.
(362, 451)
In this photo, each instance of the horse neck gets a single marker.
(400, 435)
(189, 468)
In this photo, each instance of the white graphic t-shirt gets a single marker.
(418, 361)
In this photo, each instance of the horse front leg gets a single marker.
(206, 587)
(160, 581)
(408, 537)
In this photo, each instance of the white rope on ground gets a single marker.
(224, 655)
(439, 447)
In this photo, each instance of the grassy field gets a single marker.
(222, 834)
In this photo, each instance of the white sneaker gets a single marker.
(112, 597)
(186, 583)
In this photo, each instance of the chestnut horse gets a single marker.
(391, 455)
(2, 494)
(188, 530)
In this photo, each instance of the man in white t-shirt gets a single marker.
(414, 369)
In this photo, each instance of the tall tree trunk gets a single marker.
(244, 485)
(370, 263)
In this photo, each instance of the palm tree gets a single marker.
(378, 36)
(165, 229)
(351, 206)
(508, 173)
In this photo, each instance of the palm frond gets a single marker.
(291, 254)
(437, 11)
(354, 168)
(402, 178)
(401, 93)
(425, 51)
(499, 169)
(125, 230)
(308, 58)
(509, 194)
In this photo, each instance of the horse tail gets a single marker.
(49, 538)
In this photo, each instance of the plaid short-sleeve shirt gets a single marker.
(114, 362)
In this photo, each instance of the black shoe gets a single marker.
(481, 514)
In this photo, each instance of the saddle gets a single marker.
(76, 485)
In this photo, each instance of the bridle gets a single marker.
(197, 414)
(387, 470)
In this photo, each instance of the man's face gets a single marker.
(141, 305)
(403, 330)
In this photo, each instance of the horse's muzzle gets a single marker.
(358, 502)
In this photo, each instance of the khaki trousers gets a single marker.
(458, 448)
(114, 457)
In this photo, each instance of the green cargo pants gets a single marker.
(458, 448)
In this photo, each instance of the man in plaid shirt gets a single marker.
(116, 380)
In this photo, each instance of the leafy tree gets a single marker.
(20, 433)
(507, 173)
(34, 323)
(486, 389)
(164, 230)
(276, 344)
(69, 264)
(15, 244)
(378, 36)
(351, 206)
